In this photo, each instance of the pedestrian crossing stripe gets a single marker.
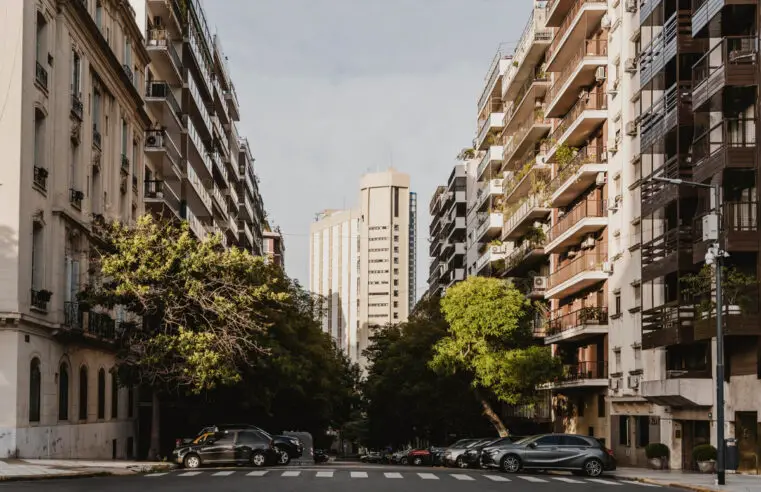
(257, 473)
(497, 478)
(222, 474)
(428, 476)
(291, 474)
(358, 474)
(324, 474)
(392, 475)
(600, 480)
(566, 480)
(462, 477)
(644, 484)
(529, 478)
(190, 474)
(157, 474)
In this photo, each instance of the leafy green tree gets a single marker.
(490, 340)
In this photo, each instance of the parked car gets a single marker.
(579, 454)
(240, 447)
(372, 457)
(453, 455)
(287, 447)
(471, 458)
(425, 456)
(320, 456)
(400, 457)
(437, 456)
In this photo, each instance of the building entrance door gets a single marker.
(746, 431)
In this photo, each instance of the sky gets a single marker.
(332, 89)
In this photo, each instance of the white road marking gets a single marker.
(600, 480)
(529, 478)
(157, 474)
(644, 484)
(291, 474)
(497, 478)
(428, 476)
(257, 473)
(189, 474)
(324, 474)
(222, 474)
(392, 475)
(566, 480)
(356, 474)
(460, 476)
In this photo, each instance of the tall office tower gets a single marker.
(360, 261)
(412, 289)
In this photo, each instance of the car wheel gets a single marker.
(510, 464)
(191, 461)
(461, 463)
(404, 461)
(417, 461)
(258, 459)
(283, 458)
(593, 467)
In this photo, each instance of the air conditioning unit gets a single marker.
(607, 267)
(600, 74)
(600, 179)
(588, 242)
(631, 129)
(541, 283)
(633, 382)
(630, 65)
(630, 6)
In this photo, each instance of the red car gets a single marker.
(429, 456)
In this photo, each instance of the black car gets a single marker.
(240, 447)
(471, 458)
(287, 447)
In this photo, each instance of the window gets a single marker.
(553, 440)
(130, 401)
(37, 256)
(124, 138)
(99, 15)
(396, 239)
(396, 249)
(643, 431)
(574, 441)
(396, 202)
(618, 304)
(637, 358)
(396, 315)
(114, 395)
(35, 390)
(63, 392)
(39, 139)
(83, 393)
(96, 101)
(76, 75)
(637, 293)
(134, 156)
(601, 405)
(41, 46)
(623, 430)
(396, 282)
(227, 438)
(617, 357)
(396, 261)
(127, 52)
(101, 394)
(250, 437)
(396, 303)
(396, 293)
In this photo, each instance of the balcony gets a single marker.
(524, 257)
(528, 53)
(586, 217)
(576, 326)
(488, 227)
(199, 199)
(456, 224)
(199, 111)
(657, 194)
(578, 175)
(164, 105)
(675, 37)
(582, 120)
(668, 324)
(729, 144)
(584, 270)
(557, 10)
(195, 224)
(244, 230)
(489, 189)
(578, 73)
(164, 57)
(491, 161)
(673, 109)
(581, 21)
(490, 127)
(233, 107)
(246, 211)
(161, 199)
(525, 100)
(161, 149)
(455, 275)
(740, 311)
(679, 392)
(592, 374)
(740, 223)
(97, 139)
(218, 199)
(201, 58)
(732, 62)
(667, 253)
(84, 325)
(41, 76)
(198, 155)
(452, 249)
(520, 218)
(704, 11)
(525, 135)
(41, 178)
(77, 108)
(532, 177)
(491, 255)
(499, 66)
(39, 299)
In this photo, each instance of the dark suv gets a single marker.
(582, 455)
(287, 447)
(241, 447)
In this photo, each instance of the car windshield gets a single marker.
(460, 443)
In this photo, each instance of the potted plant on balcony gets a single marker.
(657, 454)
(44, 295)
(466, 154)
(705, 456)
(535, 235)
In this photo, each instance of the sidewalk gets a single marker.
(699, 482)
(25, 469)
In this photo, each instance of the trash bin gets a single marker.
(731, 454)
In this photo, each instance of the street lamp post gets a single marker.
(715, 255)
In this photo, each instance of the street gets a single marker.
(331, 478)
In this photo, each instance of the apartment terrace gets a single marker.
(741, 314)
(668, 324)
(587, 268)
(161, 199)
(519, 218)
(580, 22)
(531, 178)
(524, 136)
(523, 257)
(164, 57)
(528, 52)
(656, 194)
(489, 189)
(705, 10)
(533, 90)
(583, 374)
(729, 144)
(499, 65)
(671, 110)
(580, 72)
(577, 175)
(740, 226)
(732, 62)
(489, 224)
(160, 97)
(666, 253)
(684, 391)
(586, 217)
(491, 255)
(490, 124)
(584, 118)
(199, 199)
(491, 161)
(162, 151)
(675, 37)
(587, 322)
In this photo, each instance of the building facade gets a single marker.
(447, 233)
(274, 246)
(360, 262)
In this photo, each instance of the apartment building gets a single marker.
(360, 261)
(72, 128)
(274, 245)
(447, 233)
(198, 167)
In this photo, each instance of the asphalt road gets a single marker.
(332, 478)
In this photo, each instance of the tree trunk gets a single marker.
(490, 414)
(153, 452)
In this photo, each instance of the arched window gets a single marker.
(83, 393)
(63, 392)
(35, 390)
(114, 395)
(101, 394)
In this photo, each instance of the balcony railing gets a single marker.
(96, 324)
(597, 99)
(77, 107)
(568, 20)
(519, 212)
(162, 90)
(40, 299)
(590, 47)
(491, 77)
(587, 261)
(583, 371)
(586, 155)
(736, 217)
(125, 164)
(159, 37)
(728, 133)
(519, 134)
(668, 243)
(537, 77)
(735, 56)
(41, 177)
(582, 210)
(591, 315)
(41, 76)
(518, 254)
(76, 197)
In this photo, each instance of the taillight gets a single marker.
(610, 452)
(177, 443)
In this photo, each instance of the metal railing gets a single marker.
(162, 90)
(586, 261)
(568, 20)
(76, 197)
(729, 132)
(590, 47)
(584, 370)
(491, 77)
(77, 108)
(520, 98)
(518, 254)
(596, 99)
(518, 213)
(41, 177)
(520, 133)
(582, 210)
(736, 217)
(586, 155)
(589, 315)
(159, 37)
(41, 75)
(666, 244)
(732, 50)
(40, 299)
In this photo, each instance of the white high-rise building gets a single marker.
(360, 261)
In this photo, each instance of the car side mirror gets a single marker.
(532, 445)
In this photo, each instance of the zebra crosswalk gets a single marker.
(359, 475)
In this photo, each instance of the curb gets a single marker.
(64, 476)
(676, 485)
